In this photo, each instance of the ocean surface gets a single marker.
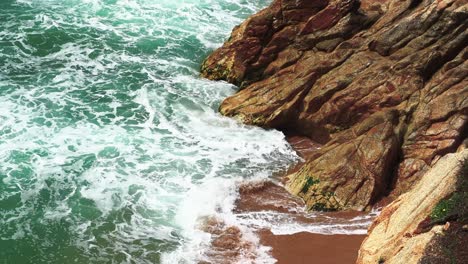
(111, 147)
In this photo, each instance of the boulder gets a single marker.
(405, 229)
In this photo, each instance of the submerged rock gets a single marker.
(382, 85)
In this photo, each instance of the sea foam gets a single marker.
(111, 145)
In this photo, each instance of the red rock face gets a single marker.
(381, 84)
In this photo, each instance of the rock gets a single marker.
(448, 247)
(382, 85)
(228, 243)
(353, 169)
(394, 236)
(446, 226)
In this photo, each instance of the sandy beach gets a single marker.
(308, 248)
(303, 247)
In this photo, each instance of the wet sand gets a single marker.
(228, 243)
(304, 247)
(308, 248)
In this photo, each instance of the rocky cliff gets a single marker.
(427, 218)
(381, 85)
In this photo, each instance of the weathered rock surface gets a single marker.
(382, 85)
(362, 159)
(403, 231)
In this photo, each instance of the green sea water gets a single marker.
(111, 147)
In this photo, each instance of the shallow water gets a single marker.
(111, 147)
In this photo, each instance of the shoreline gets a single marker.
(299, 247)
(305, 248)
(382, 89)
(283, 230)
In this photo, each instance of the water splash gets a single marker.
(111, 146)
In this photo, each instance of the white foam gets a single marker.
(214, 198)
(146, 174)
(289, 224)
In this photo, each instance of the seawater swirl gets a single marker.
(111, 146)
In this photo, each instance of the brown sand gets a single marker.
(307, 248)
(301, 247)
(228, 243)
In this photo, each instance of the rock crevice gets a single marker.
(382, 85)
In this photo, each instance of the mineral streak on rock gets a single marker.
(382, 85)
(394, 236)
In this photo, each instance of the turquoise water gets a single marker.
(111, 147)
